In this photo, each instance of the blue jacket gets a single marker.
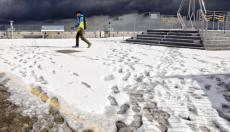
(80, 22)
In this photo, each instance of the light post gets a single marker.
(11, 29)
(149, 15)
(109, 28)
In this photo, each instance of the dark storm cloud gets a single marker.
(59, 9)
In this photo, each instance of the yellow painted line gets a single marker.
(89, 125)
(66, 110)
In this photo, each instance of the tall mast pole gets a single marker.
(191, 10)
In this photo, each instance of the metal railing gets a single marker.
(218, 20)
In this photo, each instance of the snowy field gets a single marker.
(115, 86)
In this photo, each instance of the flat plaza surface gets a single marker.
(146, 88)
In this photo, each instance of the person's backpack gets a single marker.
(85, 23)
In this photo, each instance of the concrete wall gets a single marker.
(216, 34)
(218, 40)
(58, 35)
(3, 35)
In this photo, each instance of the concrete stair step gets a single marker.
(170, 39)
(174, 31)
(166, 42)
(169, 36)
(168, 45)
(181, 43)
(174, 38)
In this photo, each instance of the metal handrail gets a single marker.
(192, 24)
(181, 20)
(179, 16)
(203, 25)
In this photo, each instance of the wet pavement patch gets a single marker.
(68, 51)
(11, 119)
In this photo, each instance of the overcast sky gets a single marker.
(26, 10)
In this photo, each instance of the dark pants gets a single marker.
(80, 34)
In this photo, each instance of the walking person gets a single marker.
(81, 26)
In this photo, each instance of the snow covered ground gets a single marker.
(115, 85)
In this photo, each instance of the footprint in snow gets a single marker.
(120, 70)
(41, 80)
(23, 73)
(112, 101)
(193, 109)
(52, 62)
(115, 89)
(224, 111)
(126, 76)
(131, 67)
(208, 87)
(137, 122)
(24, 61)
(61, 66)
(109, 77)
(86, 85)
(39, 67)
(123, 109)
(30, 66)
(121, 126)
(149, 66)
(227, 97)
(12, 69)
(75, 74)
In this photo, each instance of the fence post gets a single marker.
(213, 22)
(227, 20)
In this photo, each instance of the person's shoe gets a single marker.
(75, 46)
(89, 45)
